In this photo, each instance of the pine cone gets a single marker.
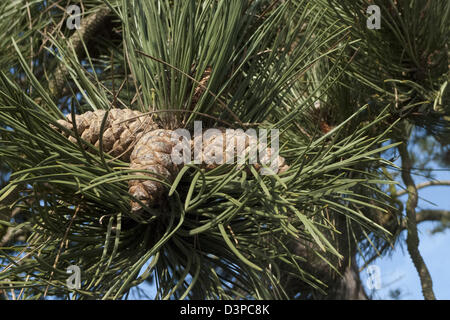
(222, 147)
(153, 152)
(122, 128)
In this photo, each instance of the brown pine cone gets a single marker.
(122, 128)
(153, 152)
(220, 147)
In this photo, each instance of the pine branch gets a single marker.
(412, 240)
(189, 258)
(8, 234)
(424, 185)
(89, 27)
(429, 215)
(12, 235)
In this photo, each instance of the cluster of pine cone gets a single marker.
(135, 138)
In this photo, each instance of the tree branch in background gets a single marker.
(424, 185)
(12, 236)
(430, 215)
(88, 29)
(6, 214)
(412, 240)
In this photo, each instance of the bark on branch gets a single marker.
(89, 27)
(424, 185)
(430, 215)
(12, 235)
(412, 240)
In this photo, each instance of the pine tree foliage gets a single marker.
(340, 94)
